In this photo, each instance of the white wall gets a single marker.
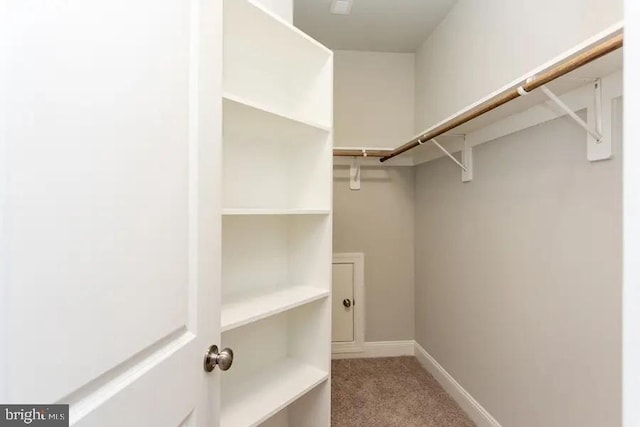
(373, 98)
(518, 277)
(373, 106)
(482, 45)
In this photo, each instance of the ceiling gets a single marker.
(373, 25)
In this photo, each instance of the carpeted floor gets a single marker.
(389, 392)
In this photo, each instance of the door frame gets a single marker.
(357, 345)
(631, 220)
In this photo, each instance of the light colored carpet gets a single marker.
(393, 391)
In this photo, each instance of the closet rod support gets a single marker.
(467, 160)
(560, 70)
(594, 133)
(444, 150)
(354, 173)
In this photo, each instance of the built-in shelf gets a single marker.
(266, 17)
(264, 115)
(273, 165)
(252, 211)
(258, 397)
(274, 172)
(272, 65)
(277, 145)
(244, 309)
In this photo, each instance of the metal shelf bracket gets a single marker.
(467, 158)
(598, 143)
(354, 172)
(593, 132)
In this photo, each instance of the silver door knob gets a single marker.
(213, 357)
(346, 302)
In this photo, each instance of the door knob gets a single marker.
(213, 357)
(346, 302)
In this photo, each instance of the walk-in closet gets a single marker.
(314, 213)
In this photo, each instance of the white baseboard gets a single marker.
(476, 412)
(380, 349)
(346, 347)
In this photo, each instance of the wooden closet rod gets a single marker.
(559, 70)
(343, 152)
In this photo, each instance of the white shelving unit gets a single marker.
(276, 223)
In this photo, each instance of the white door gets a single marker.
(342, 303)
(109, 204)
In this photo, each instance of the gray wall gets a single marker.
(373, 98)
(378, 220)
(480, 46)
(518, 277)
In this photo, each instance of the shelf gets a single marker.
(265, 253)
(277, 115)
(250, 307)
(299, 35)
(517, 114)
(259, 397)
(232, 212)
(274, 66)
(602, 67)
(273, 164)
(264, 115)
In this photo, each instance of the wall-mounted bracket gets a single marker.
(354, 173)
(467, 160)
(467, 173)
(593, 132)
(600, 116)
(598, 143)
(444, 150)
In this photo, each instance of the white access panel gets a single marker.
(342, 325)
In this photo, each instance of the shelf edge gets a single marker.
(320, 294)
(266, 110)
